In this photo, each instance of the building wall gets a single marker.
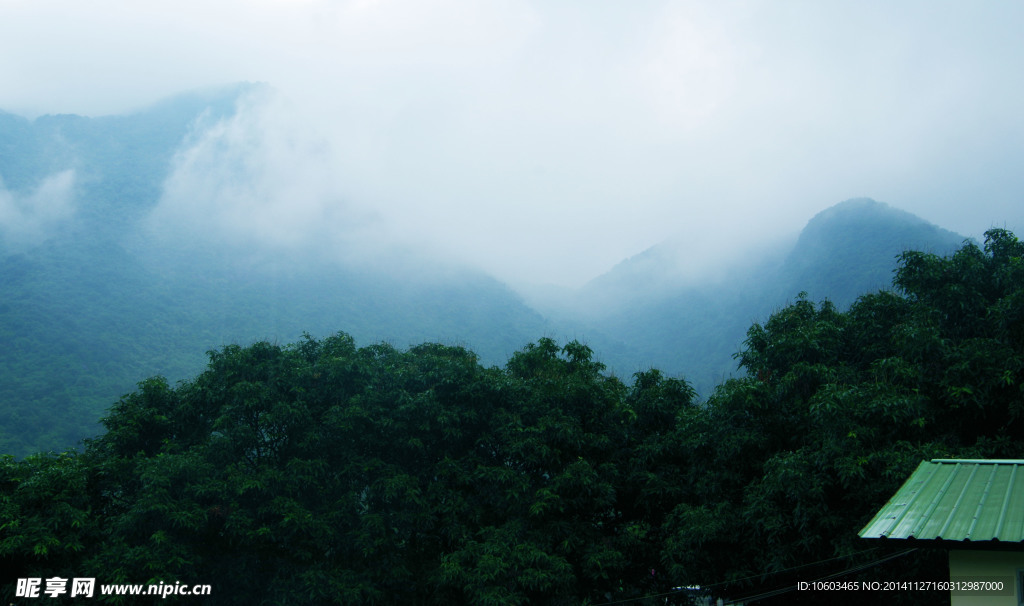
(967, 565)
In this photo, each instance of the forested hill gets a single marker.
(852, 248)
(92, 302)
(117, 164)
(321, 472)
(644, 311)
(97, 295)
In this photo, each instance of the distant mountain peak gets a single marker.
(850, 221)
(852, 248)
(864, 209)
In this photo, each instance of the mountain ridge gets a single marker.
(693, 330)
(96, 305)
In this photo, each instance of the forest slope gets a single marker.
(693, 328)
(99, 293)
(94, 300)
(325, 473)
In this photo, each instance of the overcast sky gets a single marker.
(546, 141)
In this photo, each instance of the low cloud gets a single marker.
(27, 219)
(545, 142)
(261, 181)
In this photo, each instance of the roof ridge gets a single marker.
(981, 461)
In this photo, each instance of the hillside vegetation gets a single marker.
(325, 473)
(118, 262)
(641, 311)
(97, 295)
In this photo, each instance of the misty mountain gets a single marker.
(119, 162)
(130, 245)
(851, 249)
(97, 295)
(693, 328)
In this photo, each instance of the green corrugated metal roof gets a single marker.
(956, 500)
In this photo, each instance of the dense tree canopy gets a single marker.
(322, 472)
